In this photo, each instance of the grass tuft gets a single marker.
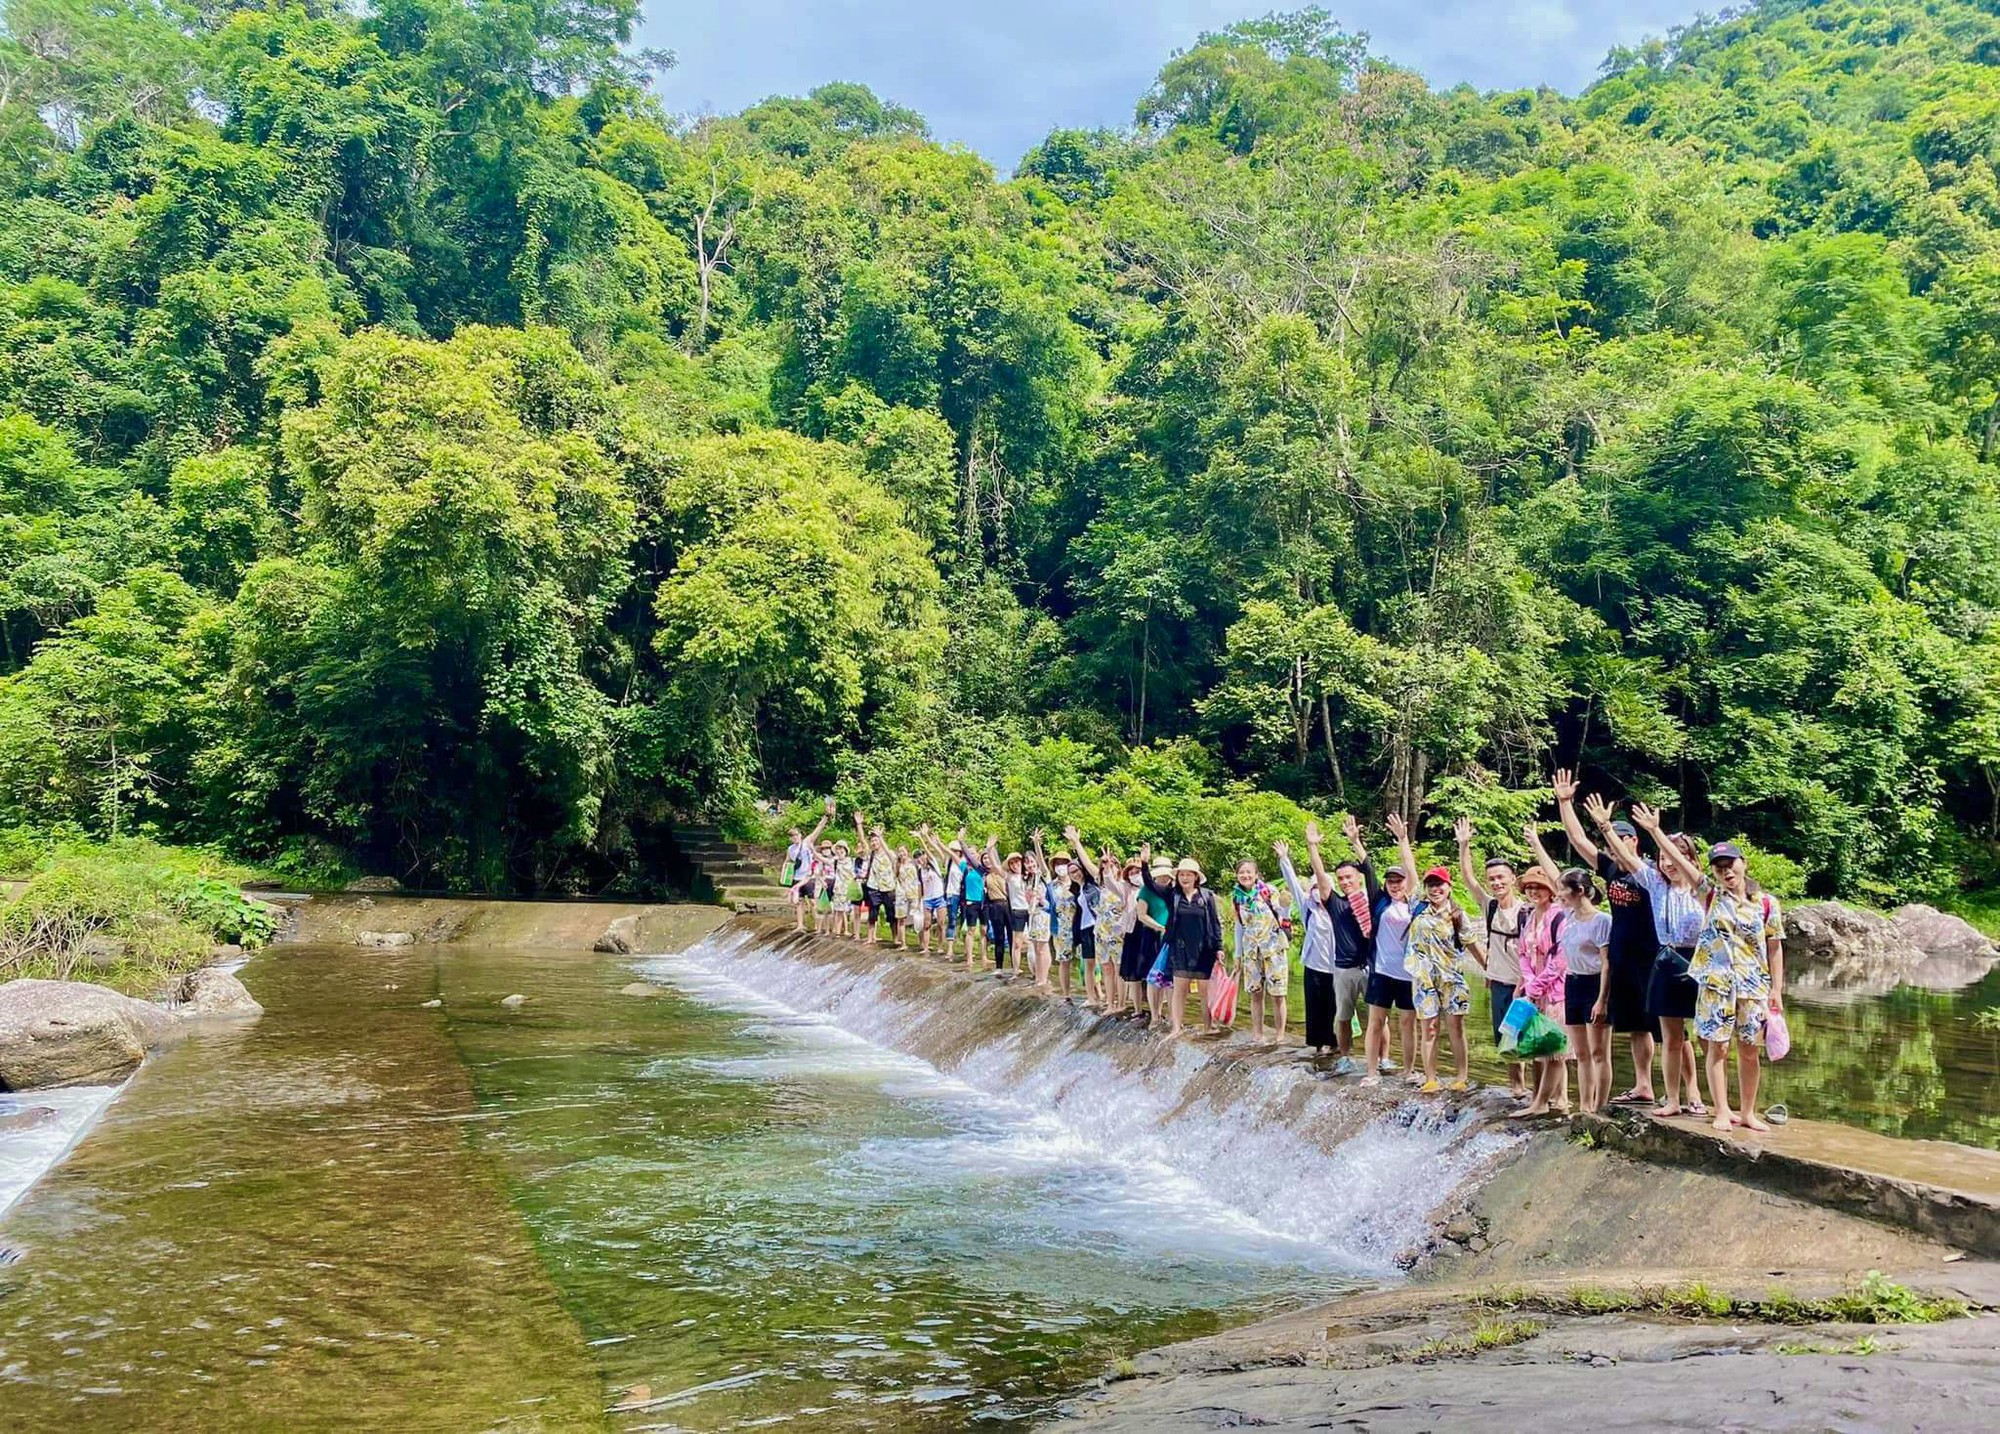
(1876, 1300)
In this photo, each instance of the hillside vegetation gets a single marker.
(418, 449)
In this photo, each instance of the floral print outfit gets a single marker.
(1437, 981)
(1730, 966)
(1263, 950)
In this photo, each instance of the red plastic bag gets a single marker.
(1222, 996)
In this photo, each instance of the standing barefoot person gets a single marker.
(1194, 936)
(1677, 923)
(909, 897)
(1585, 933)
(1390, 995)
(1542, 973)
(1085, 881)
(1309, 900)
(1504, 911)
(845, 880)
(1438, 931)
(1355, 908)
(1263, 947)
(1629, 956)
(800, 857)
(1113, 923)
(1041, 910)
(1739, 964)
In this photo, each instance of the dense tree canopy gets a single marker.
(414, 440)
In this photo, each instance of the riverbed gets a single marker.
(699, 1210)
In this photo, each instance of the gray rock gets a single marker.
(1835, 952)
(73, 1033)
(621, 937)
(1938, 933)
(375, 883)
(639, 988)
(227, 951)
(211, 993)
(514, 1002)
(384, 940)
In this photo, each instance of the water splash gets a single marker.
(1257, 1153)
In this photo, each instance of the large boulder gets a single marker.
(1835, 952)
(375, 883)
(73, 1033)
(212, 993)
(384, 940)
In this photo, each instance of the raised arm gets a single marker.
(1467, 867)
(1672, 862)
(1353, 830)
(1565, 787)
(1625, 853)
(1041, 862)
(1073, 839)
(1322, 881)
(1284, 850)
(1400, 830)
(1542, 859)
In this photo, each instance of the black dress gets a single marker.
(1194, 930)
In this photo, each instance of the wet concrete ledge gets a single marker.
(1950, 1193)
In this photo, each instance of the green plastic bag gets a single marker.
(1541, 1038)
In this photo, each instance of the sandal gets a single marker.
(1635, 1097)
(1777, 1114)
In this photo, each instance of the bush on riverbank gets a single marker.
(131, 914)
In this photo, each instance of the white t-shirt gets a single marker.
(1392, 941)
(933, 884)
(1583, 942)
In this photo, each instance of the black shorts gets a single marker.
(1086, 944)
(1628, 977)
(1017, 919)
(1390, 992)
(879, 903)
(1579, 996)
(1672, 993)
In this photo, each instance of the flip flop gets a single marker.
(1633, 1097)
(1777, 1114)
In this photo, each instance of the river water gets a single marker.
(775, 1192)
(702, 1210)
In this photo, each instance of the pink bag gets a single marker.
(1222, 996)
(1777, 1036)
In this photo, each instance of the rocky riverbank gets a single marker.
(55, 1033)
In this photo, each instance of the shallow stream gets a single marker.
(699, 1210)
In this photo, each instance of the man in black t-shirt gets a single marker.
(1629, 955)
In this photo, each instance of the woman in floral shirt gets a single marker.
(1263, 947)
(1739, 967)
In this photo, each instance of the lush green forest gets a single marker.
(421, 451)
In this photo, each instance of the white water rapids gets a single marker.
(1236, 1175)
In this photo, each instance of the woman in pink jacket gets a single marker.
(1542, 973)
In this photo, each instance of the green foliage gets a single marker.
(419, 450)
(128, 913)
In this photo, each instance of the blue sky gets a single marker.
(997, 75)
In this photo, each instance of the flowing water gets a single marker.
(806, 1188)
(776, 1192)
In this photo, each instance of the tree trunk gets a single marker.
(1145, 672)
(1332, 756)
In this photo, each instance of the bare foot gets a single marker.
(1528, 1112)
(1756, 1123)
(1723, 1123)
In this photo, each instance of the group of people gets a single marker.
(1658, 945)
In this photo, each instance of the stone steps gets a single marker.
(742, 878)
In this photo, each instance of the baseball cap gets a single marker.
(1728, 849)
(1438, 873)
